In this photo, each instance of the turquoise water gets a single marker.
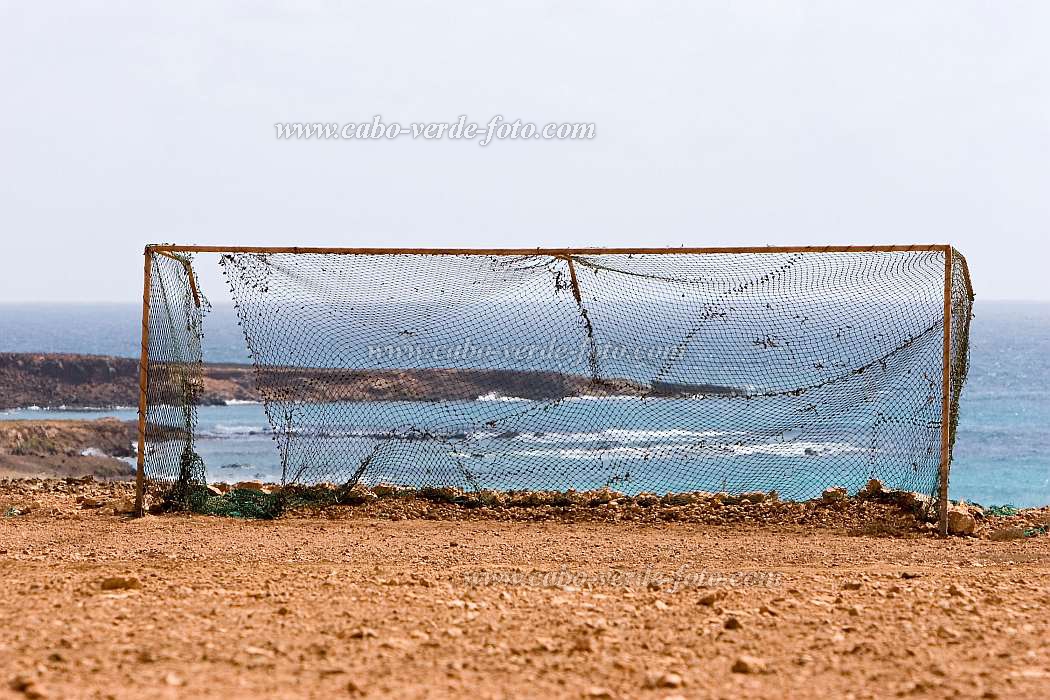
(1000, 455)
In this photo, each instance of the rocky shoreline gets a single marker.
(67, 448)
(51, 380)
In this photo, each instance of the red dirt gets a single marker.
(101, 606)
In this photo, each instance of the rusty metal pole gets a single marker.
(946, 396)
(140, 471)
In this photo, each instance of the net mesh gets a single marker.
(662, 372)
(175, 380)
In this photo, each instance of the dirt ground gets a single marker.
(356, 604)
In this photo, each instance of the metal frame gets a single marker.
(554, 252)
(566, 253)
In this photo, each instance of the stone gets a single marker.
(120, 506)
(961, 522)
(873, 489)
(712, 597)
(835, 494)
(659, 679)
(120, 583)
(251, 486)
(28, 687)
(598, 692)
(364, 633)
(732, 623)
(749, 664)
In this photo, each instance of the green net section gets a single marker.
(657, 373)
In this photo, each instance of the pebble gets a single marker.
(364, 633)
(659, 679)
(120, 583)
(732, 623)
(834, 494)
(28, 687)
(749, 664)
(712, 597)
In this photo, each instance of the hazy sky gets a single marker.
(717, 123)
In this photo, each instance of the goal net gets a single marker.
(739, 370)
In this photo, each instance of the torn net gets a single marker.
(659, 372)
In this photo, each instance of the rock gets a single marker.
(1006, 534)
(364, 633)
(749, 664)
(257, 651)
(384, 490)
(712, 597)
(960, 521)
(958, 591)
(658, 679)
(120, 506)
(251, 486)
(120, 583)
(851, 586)
(872, 490)
(732, 623)
(835, 494)
(89, 502)
(598, 692)
(28, 687)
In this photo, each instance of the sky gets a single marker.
(716, 124)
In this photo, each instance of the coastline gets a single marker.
(103, 448)
(63, 380)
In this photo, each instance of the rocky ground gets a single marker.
(420, 596)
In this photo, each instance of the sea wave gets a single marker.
(494, 396)
(673, 449)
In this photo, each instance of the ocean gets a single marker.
(999, 455)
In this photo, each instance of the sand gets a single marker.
(363, 603)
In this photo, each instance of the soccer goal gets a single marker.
(645, 370)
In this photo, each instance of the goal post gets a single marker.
(642, 369)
